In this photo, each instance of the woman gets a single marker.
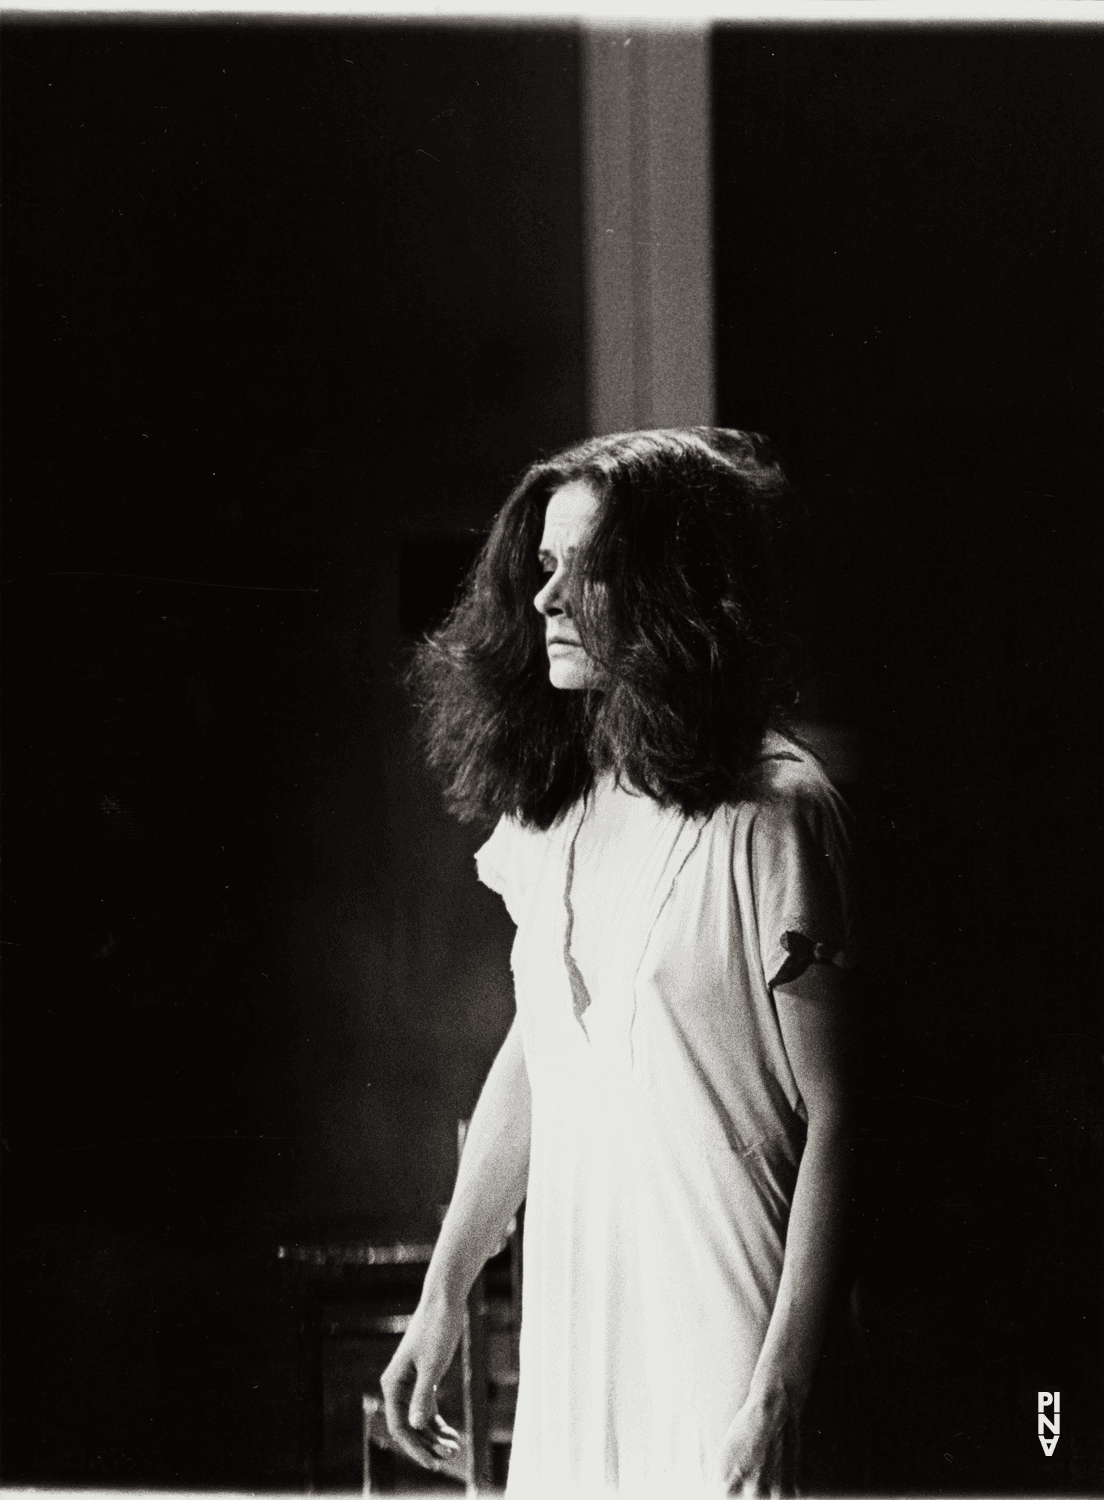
(672, 1097)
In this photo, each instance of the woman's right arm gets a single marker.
(491, 1182)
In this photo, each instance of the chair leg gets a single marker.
(371, 1407)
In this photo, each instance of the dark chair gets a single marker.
(355, 1299)
(487, 1371)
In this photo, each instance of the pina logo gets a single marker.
(1049, 1401)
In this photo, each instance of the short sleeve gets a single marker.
(801, 853)
(501, 866)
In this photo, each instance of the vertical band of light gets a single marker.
(648, 227)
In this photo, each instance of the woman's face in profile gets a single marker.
(571, 513)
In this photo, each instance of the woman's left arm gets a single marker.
(815, 1014)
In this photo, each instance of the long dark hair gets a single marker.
(674, 595)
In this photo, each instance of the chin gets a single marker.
(571, 676)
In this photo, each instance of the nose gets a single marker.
(552, 599)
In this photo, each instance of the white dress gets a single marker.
(666, 1127)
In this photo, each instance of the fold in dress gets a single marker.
(667, 1127)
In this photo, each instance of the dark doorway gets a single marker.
(909, 254)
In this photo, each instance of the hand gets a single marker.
(750, 1452)
(410, 1381)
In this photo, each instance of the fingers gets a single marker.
(415, 1425)
(446, 1438)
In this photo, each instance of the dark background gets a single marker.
(286, 308)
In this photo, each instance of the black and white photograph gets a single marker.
(552, 744)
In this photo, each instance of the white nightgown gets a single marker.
(666, 1124)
